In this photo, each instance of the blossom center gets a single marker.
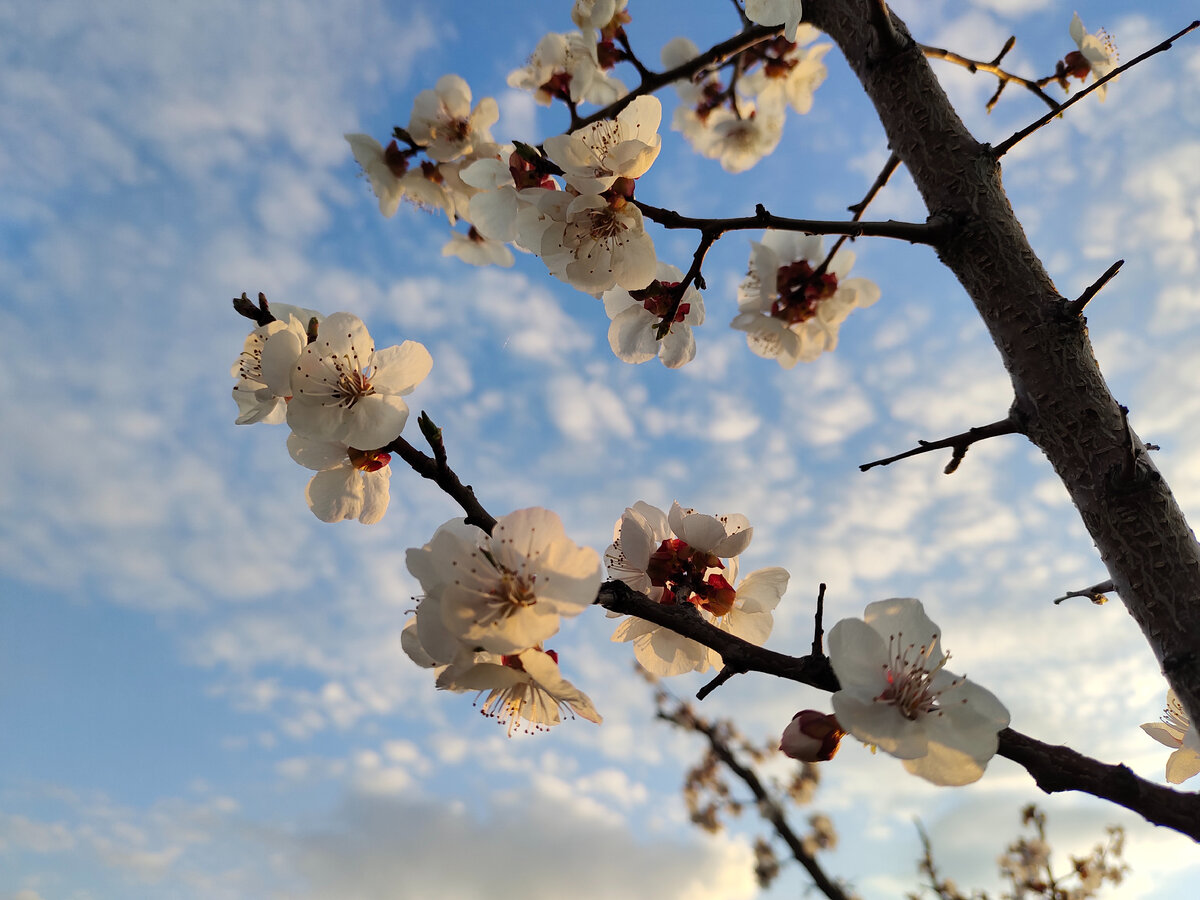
(685, 575)
(909, 681)
(800, 290)
(352, 385)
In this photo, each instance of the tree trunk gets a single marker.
(1061, 399)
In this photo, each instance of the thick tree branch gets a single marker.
(1065, 406)
(1053, 768)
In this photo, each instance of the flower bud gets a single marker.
(811, 736)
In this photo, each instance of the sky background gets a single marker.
(202, 693)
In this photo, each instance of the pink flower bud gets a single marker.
(811, 736)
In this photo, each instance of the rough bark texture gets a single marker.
(1064, 405)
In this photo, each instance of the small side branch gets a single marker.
(993, 68)
(1095, 593)
(818, 626)
(1000, 149)
(436, 469)
(959, 443)
(1075, 307)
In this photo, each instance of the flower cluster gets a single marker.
(1175, 730)
(450, 134)
(342, 398)
(686, 557)
(490, 601)
(738, 127)
(793, 300)
(896, 694)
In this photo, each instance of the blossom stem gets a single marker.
(1000, 149)
(439, 472)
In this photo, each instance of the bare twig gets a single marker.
(1000, 149)
(993, 68)
(959, 442)
(1095, 593)
(1075, 307)
(818, 627)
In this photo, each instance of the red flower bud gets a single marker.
(811, 736)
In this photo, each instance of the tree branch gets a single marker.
(993, 67)
(1000, 149)
(1075, 307)
(959, 442)
(1053, 768)
(930, 232)
(440, 473)
(767, 805)
(1065, 406)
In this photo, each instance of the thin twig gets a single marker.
(889, 168)
(1000, 149)
(1095, 593)
(959, 443)
(993, 68)
(1075, 307)
(818, 627)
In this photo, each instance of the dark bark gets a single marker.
(1065, 406)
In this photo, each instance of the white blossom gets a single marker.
(792, 79)
(896, 694)
(504, 593)
(523, 687)
(596, 155)
(632, 334)
(477, 250)
(1097, 50)
(676, 558)
(391, 177)
(344, 390)
(445, 125)
(349, 484)
(589, 241)
(594, 15)
(737, 141)
(264, 367)
(777, 12)
(788, 311)
(566, 65)
(1177, 731)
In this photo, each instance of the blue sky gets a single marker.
(202, 693)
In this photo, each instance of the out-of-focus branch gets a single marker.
(993, 67)
(768, 806)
